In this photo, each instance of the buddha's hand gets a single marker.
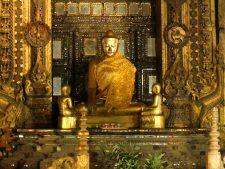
(100, 96)
(109, 109)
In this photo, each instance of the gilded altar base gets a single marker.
(184, 148)
(113, 122)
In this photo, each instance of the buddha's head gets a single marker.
(65, 90)
(156, 88)
(110, 44)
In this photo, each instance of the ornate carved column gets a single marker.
(175, 60)
(11, 48)
(188, 43)
(13, 62)
(25, 59)
(38, 80)
(221, 17)
(13, 112)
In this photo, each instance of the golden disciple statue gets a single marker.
(156, 107)
(67, 112)
(152, 116)
(65, 102)
(111, 77)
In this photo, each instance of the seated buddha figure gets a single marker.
(111, 77)
(152, 116)
(65, 102)
(156, 107)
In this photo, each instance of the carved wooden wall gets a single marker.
(184, 30)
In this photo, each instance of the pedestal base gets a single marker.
(113, 122)
(153, 121)
(67, 122)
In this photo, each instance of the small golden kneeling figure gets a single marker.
(152, 116)
(67, 118)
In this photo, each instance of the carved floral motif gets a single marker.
(63, 162)
(38, 34)
(12, 116)
(203, 73)
(6, 47)
(5, 141)
(176, 93)
(38, 82)
(176, 35)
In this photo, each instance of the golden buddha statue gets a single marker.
(111, 77)
(67, 118)
(110, 89)
(152, 116)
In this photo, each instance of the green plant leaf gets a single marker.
(125, 156)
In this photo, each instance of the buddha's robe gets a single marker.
(114, 79)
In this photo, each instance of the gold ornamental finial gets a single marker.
(82, 109)
(82, 158)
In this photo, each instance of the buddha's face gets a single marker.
(65, 91)
(156, 89)
(110, 46)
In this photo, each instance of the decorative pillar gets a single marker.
(38, 79)
(175, 60)
(188, 71)
(221, 13)
(221, 17)
(214, 156)
(82, 157)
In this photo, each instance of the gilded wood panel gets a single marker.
(192, 23)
